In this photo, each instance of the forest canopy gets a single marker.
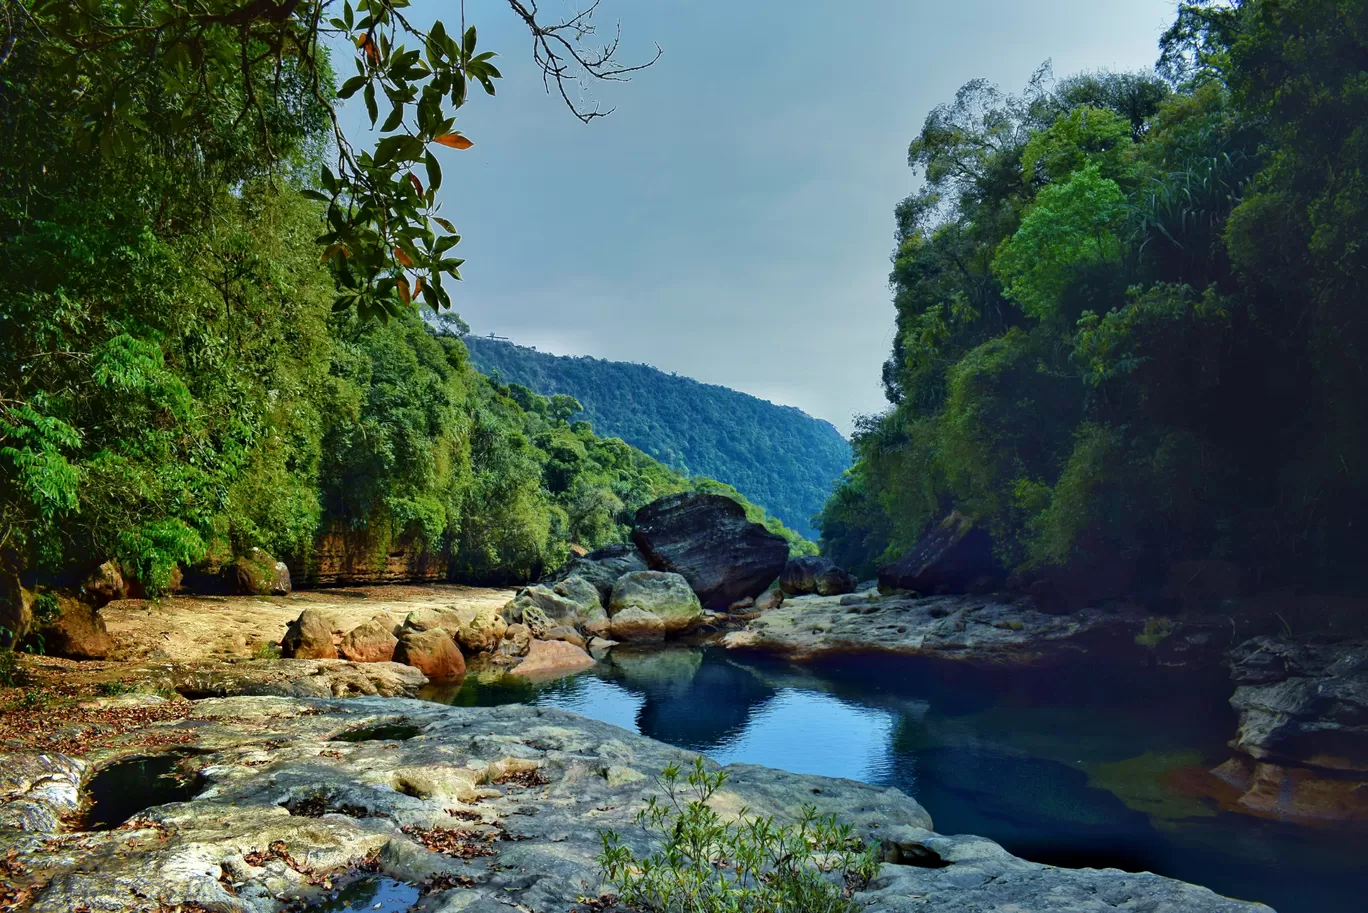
(1129, 312)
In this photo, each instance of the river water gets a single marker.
(1092, 767)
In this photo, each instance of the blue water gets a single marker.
(1080, 768)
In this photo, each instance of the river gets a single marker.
(1095, 767)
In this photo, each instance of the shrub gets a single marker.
(706, 864)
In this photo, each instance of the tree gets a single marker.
(178, 64)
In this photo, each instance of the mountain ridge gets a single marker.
(776, 455)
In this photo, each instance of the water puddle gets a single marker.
(372, 895)
(125, 788)
(383, 732)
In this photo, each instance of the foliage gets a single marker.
(1128, 315)
(178, 387)
(138, 74)
(775, 456)
(708, 864)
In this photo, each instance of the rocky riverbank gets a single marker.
(477, 808)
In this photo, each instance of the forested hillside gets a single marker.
(777, 456)
(188, 373)
(1130, 313)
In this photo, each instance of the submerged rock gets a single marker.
(298, 795)
(708, 540)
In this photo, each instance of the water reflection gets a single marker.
(1075, 768)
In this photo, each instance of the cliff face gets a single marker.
(343, 557)
(777, 456)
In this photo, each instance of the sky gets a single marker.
(732, 219)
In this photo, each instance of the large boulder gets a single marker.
(812, 575)
(951, 557)
(256, 574)
(708, 540)
(432, 653)
(1303, 737)
(602, 567)
(483, 633)
(571, 601)
(666, 596)
(428, 618)
(75, 631)
(369, 642)
(309, 637)
(104, 585)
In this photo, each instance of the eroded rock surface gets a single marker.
(975, 628)
(1303, 737)
(299, 793)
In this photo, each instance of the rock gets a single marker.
(285, 810)
(601, 567)
(742, 606)
(978, 629)
(637, 625)
(16, 610)
(572, 601)
(297, 678)
(369, 642)
(946, 559)
(708, 540)
(599, 647)
(104, 585)
(256, 574)
(1303, 736)
(517, 638)
(595, 624)
(933, 873)
(811, 574)
(76, 632)
(772, 598)
(483, 633)
(309, 637)
(567, 634)
(664, 595)
(553, 659)
(433, 653)
(1304, 703)
(449, 621)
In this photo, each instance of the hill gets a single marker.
(777, 456)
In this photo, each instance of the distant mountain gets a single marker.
(777, 456)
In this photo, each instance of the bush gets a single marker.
(709, 865)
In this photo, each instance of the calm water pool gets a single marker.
(1079, 769)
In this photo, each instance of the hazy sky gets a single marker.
(732, 220)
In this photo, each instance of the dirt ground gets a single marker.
(185, 629)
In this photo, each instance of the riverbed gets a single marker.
(1094, 767)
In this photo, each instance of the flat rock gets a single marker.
(975, 628)
(285, 678)
(548, 659)
(284, 807)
